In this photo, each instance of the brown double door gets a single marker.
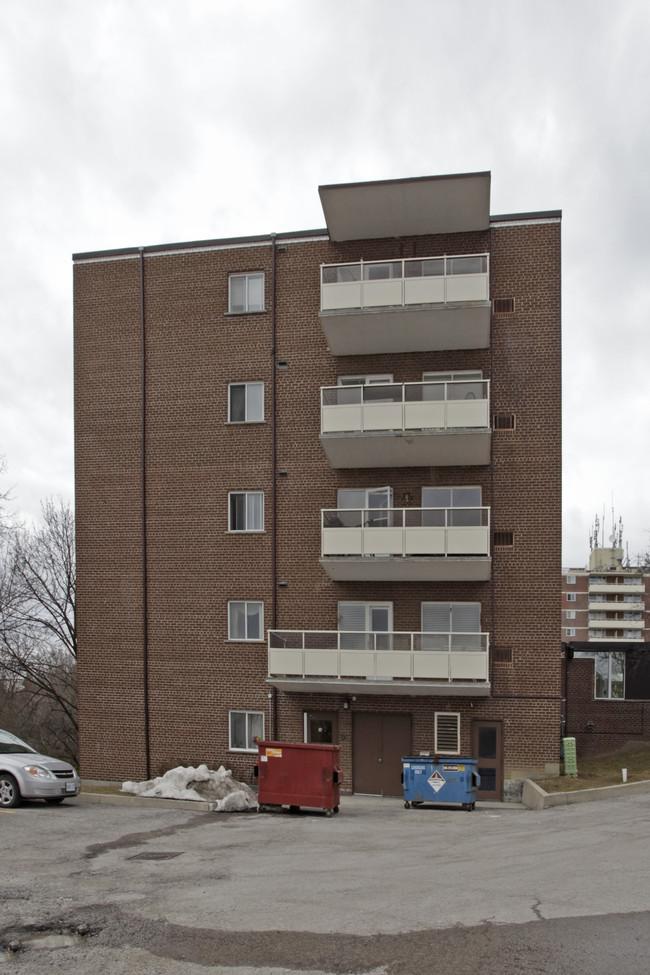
(380, 741)
(487, 747)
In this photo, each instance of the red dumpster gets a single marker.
(298, 775)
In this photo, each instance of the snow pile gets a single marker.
(218, 788)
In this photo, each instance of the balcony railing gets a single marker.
(452, 405)
(440, 532)
(416, 281)
(372, 656)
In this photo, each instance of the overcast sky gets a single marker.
(135, 122)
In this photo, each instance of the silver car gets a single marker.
(25, 774)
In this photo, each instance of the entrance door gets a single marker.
(321, 728)
(487, 746)
(380, 741)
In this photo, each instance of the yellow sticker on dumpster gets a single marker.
(274, 752)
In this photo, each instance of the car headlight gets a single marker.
(40, 773)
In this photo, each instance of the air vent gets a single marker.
(504, 306)
(447, 725)
(504, 539)
(502, 655)
(504, 421)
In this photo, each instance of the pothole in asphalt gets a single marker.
(155, 855)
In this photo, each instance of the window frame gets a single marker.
(248, 277)
(245, 385)
(246, 602)
(248, 748)
(571, 597)
(246, 530)
(611, 655)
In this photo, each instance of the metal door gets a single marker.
(379, 743)
(487, 747)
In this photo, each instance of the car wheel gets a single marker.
(53, 802)
(9, 791)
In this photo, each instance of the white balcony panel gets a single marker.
(383, 416)
(397, 664)
(616, 639)
(425, 541)
(424, 291)
(286, 662)
(427, 416)
(467, 413)
(341, 295)
(467, 287)
(616, 624)
(339, 419)
(357, 663)
(342, 541)
(382, 541)
(465, 665)
(431, 665)
(473, 540)
(321, 663)
(377, 294)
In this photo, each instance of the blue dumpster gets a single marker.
(441, 781)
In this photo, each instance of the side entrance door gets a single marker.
(379, 743)
(487, 746)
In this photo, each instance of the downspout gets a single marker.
(143, 481)
(273, 702)
(492, 585)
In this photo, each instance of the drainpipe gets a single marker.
(143, 481)
(492, 586)
(273, 703)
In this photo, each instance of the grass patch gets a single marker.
(104, 790)
(600, 770)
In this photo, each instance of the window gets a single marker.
(570, 631)
(451, 626)
(245, 728)
(245, 620)
(372, 502)
(570, 580)
(447, 733)
(466, 502)
(245, 402)
(364, 380)
(246, 292)
(246, 511)
(570, 614)
(571, 597)
(467, 375)
(610, 675)
(365, 626)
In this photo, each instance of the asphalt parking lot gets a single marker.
(164, 890)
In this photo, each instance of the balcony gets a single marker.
(617, 624)
(414, 305)
(620, 588)
(349, 662)
(428, 424)
(406, 544)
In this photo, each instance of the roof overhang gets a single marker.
(407, 207)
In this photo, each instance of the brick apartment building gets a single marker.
(318, 488)
(607, 650)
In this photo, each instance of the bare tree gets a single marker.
(38, 644)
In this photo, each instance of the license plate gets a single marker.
(70, 787)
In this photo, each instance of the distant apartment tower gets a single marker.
(605, 634)
(313, 470)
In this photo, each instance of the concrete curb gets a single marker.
(126, 800)
(533, 797)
